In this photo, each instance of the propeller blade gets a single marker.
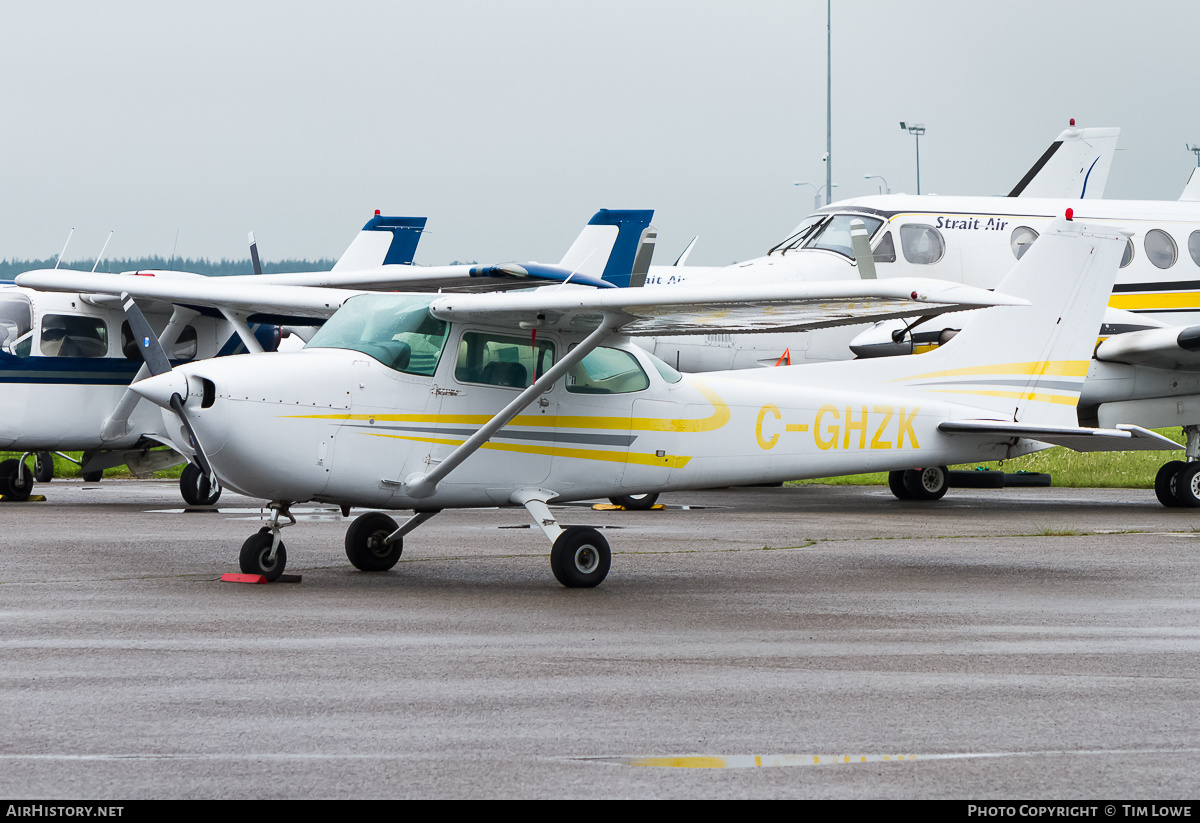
(862, 250)
(158, 363)
(254, 255)
(147, 340)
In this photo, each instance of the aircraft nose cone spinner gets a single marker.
(160, 388)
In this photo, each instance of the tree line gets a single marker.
(199, 265)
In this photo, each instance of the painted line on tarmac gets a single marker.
(764, 761)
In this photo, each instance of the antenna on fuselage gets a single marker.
(64, 248)
(173, 248)
(101, 254)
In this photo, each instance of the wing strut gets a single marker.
(423, 484)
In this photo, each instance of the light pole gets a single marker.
(816, 191)
(916, 130)
(1196, 151)
(886, 188)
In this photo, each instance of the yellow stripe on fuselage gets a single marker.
(1040, 397)
(1156, 300)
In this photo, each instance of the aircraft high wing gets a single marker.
(426, 402)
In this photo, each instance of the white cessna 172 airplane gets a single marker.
(66, 360)
(427, 402)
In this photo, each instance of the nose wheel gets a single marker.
(260, 555)
(196, 488)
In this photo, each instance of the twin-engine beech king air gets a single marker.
(427, 402)
(66, 360)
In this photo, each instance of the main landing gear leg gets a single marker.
(1177, 483)
(579, 555)
(263, 552)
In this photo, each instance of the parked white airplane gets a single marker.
(66, 360)
(406, 401)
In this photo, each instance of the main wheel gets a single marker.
(635, 502)
(896, 484)
(196, 488)
(92, 477)
(580, 557)
(10, 486)
(1187, 485)
(255, 553)
(1164, 483)
(929, 483)
(43, 467)
(365, 544)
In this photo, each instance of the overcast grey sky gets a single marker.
(509, 123)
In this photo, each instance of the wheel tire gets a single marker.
(9, 485)
(580, 558)
(253, 558)
(43, 467)
(896, 484)
(92, 477)
(635, 502)
(364, 543)
(1164, 483)
(929, 483)
(1187, 485)
(196, 489)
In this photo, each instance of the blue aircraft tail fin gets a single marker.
(616, 245)
(383, 241)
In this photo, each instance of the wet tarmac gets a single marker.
(816, 641)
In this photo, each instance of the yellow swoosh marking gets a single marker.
(1067, 368)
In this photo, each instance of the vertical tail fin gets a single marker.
(1074, 167)
(1028, 363)
(383, 241)
(608, 247)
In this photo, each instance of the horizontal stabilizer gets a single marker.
(1122, 438)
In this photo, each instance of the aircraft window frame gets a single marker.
(1164, 253)
(822, 238)
(882, 254)
(1194, 246)
(16, 324)
(665, 370)
(1129, 253)
(921, 257)
(1019, 249)
(612, 371)
(495, 362)
(72, 335)
(394, 329)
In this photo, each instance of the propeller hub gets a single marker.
(160, 388)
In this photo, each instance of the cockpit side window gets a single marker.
(397, 330)
(16, 325)
(834, 235)
(495, 360)
(921, 244)
(885, 252)
(69, 335)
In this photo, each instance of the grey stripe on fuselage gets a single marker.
(1060, 385)
(543, 436)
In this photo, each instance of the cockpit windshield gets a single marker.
(16, 325)
(827, 232)
(397, 330)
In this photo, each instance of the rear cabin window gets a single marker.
(16, 325)
(185, 348)
(921, 244)
(1127, 257)
(1194, 247)
(607, 371)
(68, 335)
(494, 360)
